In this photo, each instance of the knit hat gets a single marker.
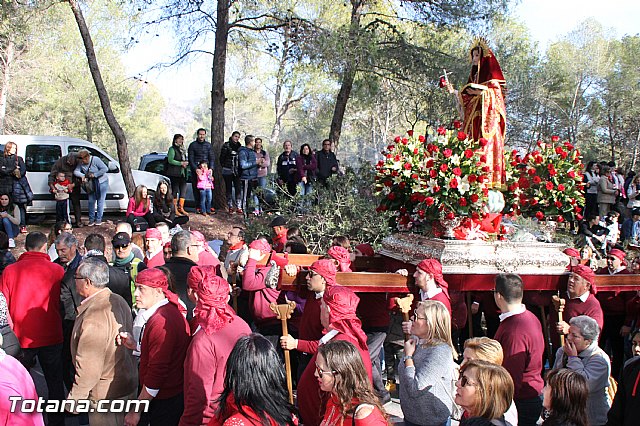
(365, 249)
(342, 304)
(341, 254)
(212, 310)
(434, 267)
(326, 268)
(155, 278)
(153, 233)
(588, 274)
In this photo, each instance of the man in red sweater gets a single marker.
(520, 335)
(163, 345)
(32, 289)
(154, 256)
(219, 328)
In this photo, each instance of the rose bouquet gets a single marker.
(547, 182)
(440, 176)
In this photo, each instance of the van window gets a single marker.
(155, 166)
(93, 151)
(40, 158)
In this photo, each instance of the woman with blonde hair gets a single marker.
(484, 349)
(341, 372)
(428, 371)
(484, 390)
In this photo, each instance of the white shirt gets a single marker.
(430, 294)
(330, 335)
(583, 297)
(521, 309)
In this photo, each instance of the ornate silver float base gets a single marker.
(478, 257)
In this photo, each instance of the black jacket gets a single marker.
(180, 267)
(69, 297)
(7, 166)
(229, 157)
(625, 410)
(286, 163)
(325, 162)
(119, 282)
(199, 151)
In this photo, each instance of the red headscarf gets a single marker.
(342, 303)
(489, 66)
(153, 233)
(433, 267)
(588, 274)
(366, 249)
(198, 236)
(155, 278)
(341, 254)
(571, 252)
(326, 268)
(212, 310)
(619, 254)
(261, 245)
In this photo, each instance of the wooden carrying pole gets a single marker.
(404, 303)
(283, 313)
(558, 303)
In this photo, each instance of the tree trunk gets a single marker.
(4, 90)
(118, 133)
(218, 97)
(348, 76)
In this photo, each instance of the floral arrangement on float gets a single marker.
(546, 183)
(438, 177)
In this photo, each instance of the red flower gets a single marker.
(415, 151)
(462, 202)
(531, 171)
(389, 156)
(559, 150)
(560, 219)
(485, 169)
(485, 192)
(431, 147)
(388, 183)
(552, 172)
(538, 159)
(475, 216)
(549, 185)
(447, 152)
(421, 213)
(433, 173)
(396, 158)
(555, 138)
(414, 176)
(381, 208)
(444, 167)
(560, 187)
(430, 163)
(571, 174)
(483, 142)
(390, 147)
(523, 182)
(429, 201)
(512, 187)
(457, 171)
(468, 153)
(480, 179)
(397, 139)
(483, 158)
(391, 196)
(405, 141)
(450, 215)
(533, 202)
(536, 180)
(410, 133)
(453, 183)
(462, 136)
(443, 82)
(457, 124)
(402, 185)
(472, 178)
(421, 138)
(563, 155)
(568, 145)
(441, 130)
(474, 198)
(436, 189)
(539, 215)
(558, 204)
(403, 210)
(394, 173)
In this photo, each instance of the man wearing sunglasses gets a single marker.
(614, 306)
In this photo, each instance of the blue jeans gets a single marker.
(205, 200)
(262, 183)
(10, 228)
(99, 195)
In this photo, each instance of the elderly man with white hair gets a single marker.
(103, 370)
(582, 354)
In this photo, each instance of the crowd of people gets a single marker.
(172, 321)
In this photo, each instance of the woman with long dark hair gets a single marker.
(307, 166)
(591, 179)
(565, 399)
(254, 386)
(19, 186)
(177, 167)
(10, 214)
(340, 371)
(164, 206)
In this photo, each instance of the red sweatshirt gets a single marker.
(259, 295)
(165, 340)
(573, 308)
(310, 326)
(611, 302)
(204, 369)
(523, 345)
(32, 289)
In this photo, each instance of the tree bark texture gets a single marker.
(6, 76)
(218, 98)
(349, 74)
(116, 129)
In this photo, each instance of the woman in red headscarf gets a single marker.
(338, 316)
(218, 330)
(483, 105)
(163, 345)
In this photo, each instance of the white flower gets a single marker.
(463, 185)
(432, 184)
(397, 179)
(455, 159)
(416, 187)
(442, 140)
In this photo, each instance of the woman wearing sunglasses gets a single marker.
(340, 371)
(428, 373)
(484, 390)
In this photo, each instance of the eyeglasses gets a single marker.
(416, 317)
(464, 381)
(76, 277)
(322, 372)
(611, 258)
(312, 274)
(120, 247)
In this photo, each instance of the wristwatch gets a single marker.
(406, 357)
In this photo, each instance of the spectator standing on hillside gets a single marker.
(21, 193)
(327, 162)
(307, 165)
(200, 150)
(231, 171)
(591, 179)
(67, 165)
(93, 172)
(32, 289)
(248, 172)
(264, 165)
(177, 163)
(286, 167)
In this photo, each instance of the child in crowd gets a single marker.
(205, 185)
(62, 189)
(611, 223)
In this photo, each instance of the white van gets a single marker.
(41, 152)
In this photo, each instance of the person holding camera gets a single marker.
(95, 182)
